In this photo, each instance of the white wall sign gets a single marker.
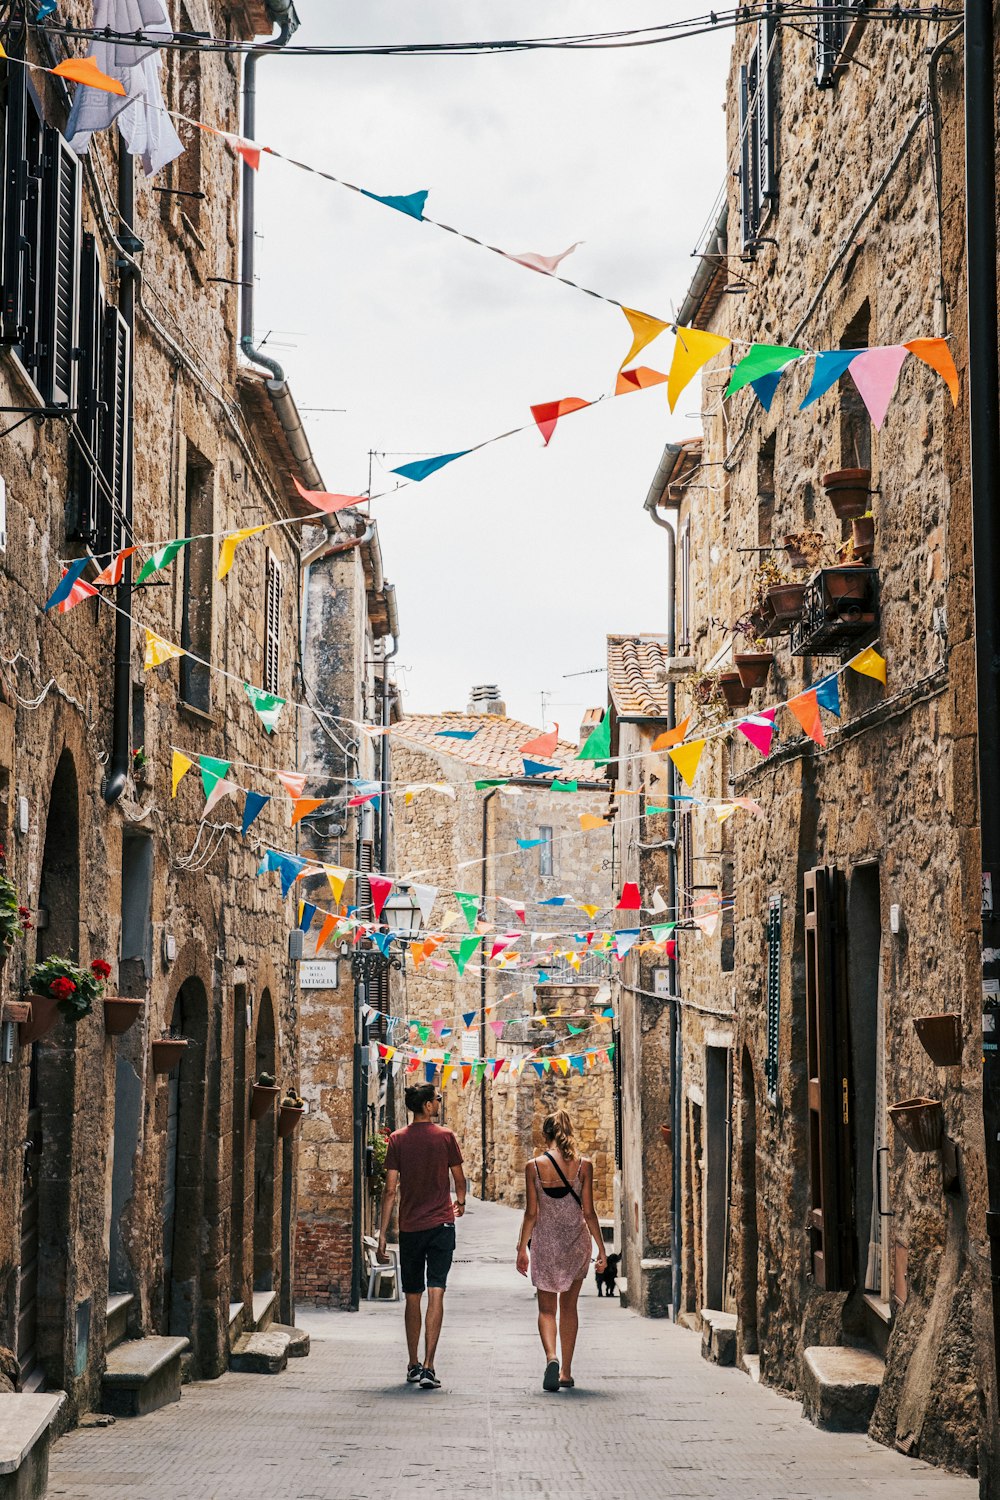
(319, 974)
(661, 983)
(470, 1044)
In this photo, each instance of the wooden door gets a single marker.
(27, 1293)
(170, 1190)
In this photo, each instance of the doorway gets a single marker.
(868, 1143)
(237, 1206)
(264, 1151)
(183, 1173)
(715, 1192)
(750, 1265)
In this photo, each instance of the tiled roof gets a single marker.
(637, 675)
(496, 746)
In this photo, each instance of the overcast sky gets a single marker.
(513, 564)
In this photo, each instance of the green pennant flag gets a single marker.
(212, 770)
(661, 929)
(478, 1069)
(464, 952)
(160, 559)
(565, 786)
(611, 1051)
(266, 706)
(598, 745)
(423, 1031)
(497, 781)
(574, 1030)
(470, 907)
(763, 359)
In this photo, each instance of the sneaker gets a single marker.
(413, 1373)
(428, 1380)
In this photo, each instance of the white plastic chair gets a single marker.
(378, 1271)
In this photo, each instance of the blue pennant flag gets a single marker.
(405, 203)
(577, 1063)
(253, 807)
(65, 586)
(308, 912)
(288, 867)
(538, 768)
(530, 843)
(456, 734)
(543, 976)
(430, 1069)
(468, 1016)
(765, 387)
(539, 1068)
(421, 468)
(382, 941)
(45, 9)
(827, 370)
(828, 694)
(554, 901)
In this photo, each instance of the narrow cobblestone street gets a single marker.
(649, 1416)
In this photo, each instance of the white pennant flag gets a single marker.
(425, 895)
(658, 902)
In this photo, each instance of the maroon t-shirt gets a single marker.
(422, 1155)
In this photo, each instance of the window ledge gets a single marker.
(197, 716)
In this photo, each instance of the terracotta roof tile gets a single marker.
(637, 675)
(496, 746)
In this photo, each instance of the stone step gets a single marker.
(751, 1363)
(141, 1375)
(718, 1336)
(840, 1387)
(298, 1339)
(263, 1309)
(25, 1423)
(236, 1321)
(261, 1353)
(118, 1306)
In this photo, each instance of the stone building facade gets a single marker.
(470, 843)
(142, 1204)
(851, 1257)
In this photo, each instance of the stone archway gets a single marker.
(265, 1141)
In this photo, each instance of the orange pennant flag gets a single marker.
(806, 709)
(547, 414)
(645, 329)
(325, 501)
(935, 352)
(418, 953)
(589, 821)
(85, 70)
(303, 806)
(326, 932)
(686, 758)
(294, 783)
(672, 736)
(639, 378)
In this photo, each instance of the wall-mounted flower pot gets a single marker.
(803, 548)
(262, 1097)
(753, 667)
(289, 1116)
(846, 585)
(919, 1121)
(863, 536)
(667, 1133)
(120, 1013)
(847, 491)
(941, 1037)
(167, 1053)
(735, 694)
(785, 603)
(44, 1017)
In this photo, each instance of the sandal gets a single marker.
(568, 1384)
(550, 1380)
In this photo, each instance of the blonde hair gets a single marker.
(559, 1128)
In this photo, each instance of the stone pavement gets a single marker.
(649, 1417)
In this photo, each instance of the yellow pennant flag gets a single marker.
(227, 552)
(694, 348)
(686, 758)
(869, 664)
(178, 770)
(589, 911)
(158, 651)
(562, 1063)
(337, 878)
(389, 1054)
(724, 810)
(446, 1073)
(644, 330)
(589, 821)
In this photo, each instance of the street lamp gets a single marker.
(401, 915)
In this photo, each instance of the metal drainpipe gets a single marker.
(984, 435)
(676, 1027)
(383, 807)
(118, 771)
(482, 1004)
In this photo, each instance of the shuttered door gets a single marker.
(60, 271)
(115, 459)
(272, 625)
(829, 1220)
(27, 1293)
(85, 475)
(22, 215)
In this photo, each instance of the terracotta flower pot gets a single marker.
(846, 584)
(735, 694)
(120, 1013)
(847, 490)
(785, 600)
(167, 1053)
(666, 1132)
(753, 667)
(44, 1016)
(941, 1037)
(289, 1116)
(262, 1097)
(919, 1121)
(863, 535)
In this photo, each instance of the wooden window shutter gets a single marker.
(686, 830)
(85, 453)
(22, 215)
(766, 111)
(773, 995)
(272, 624)
(748, 224)
(60, 271)
(829, 41)
(115, 456)
(829, 1220)
(366, 865)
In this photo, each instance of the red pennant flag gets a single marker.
(671, 947)
(76, 595)
(806, 709)
(548, 413)
(544, 745)
(112, 574)
(324, 501)
(466, 1073)
(380, 889)
(631, 900)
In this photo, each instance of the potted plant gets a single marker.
(140, 767)
(776, 599)
(262, 1095)
(290, 1111)
(863, 535)
(941, 1037)
(919, 1121)
(847, 491)
(804, 548)
(754, 661)
(734, 690)
(14, 918)
(167, 1052)
(666, 1131)
(707, 696)
(59, 986)
(120, 1011)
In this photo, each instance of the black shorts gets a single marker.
(429, 1250)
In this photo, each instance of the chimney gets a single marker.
(485, 699)
(591, 718)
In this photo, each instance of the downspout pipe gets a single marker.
(118, 771)
(482, 996)
(984, 445)
(658, 494)
(383, 807)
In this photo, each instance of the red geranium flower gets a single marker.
(24, 911)
(62, 988)
(100, 968)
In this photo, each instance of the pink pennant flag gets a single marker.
(498, 1027)
(112, 574)
(498, 1066)
(548, 265)
(324, 501)
(548, 413)
(380, 889)
(708, 924)
(80, 591)
(360, 801)
(545, 744)
(875, 372)
(222, 788)
(293, 782)
(759, 729)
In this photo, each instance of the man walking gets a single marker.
(420, 1158)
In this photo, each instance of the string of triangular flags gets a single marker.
(483, 1070)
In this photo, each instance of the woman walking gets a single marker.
(559, 1222)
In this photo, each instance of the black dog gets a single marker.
(606, 1279)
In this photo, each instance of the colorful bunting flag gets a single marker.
(588, 822)
(463, 953)
(639, 378)
(763, 359)
(64, 587)
(253, 807)
(869, 664)
(326, 502)
(828, 694)
(806, 709)
(158, 651)
(337, 879)
(306, 913)
(212, 770)
(547, 265)
(544, 744)
(422, 468)
(111, 576)
(827, 370)
(303, 806)
(597, 747)
(179, 767)
(162, 558)
(875, 372)
(469, 905)
(456, 734)
(380, 888)
(84, 70)
(686, 758)
(645, 329)
(537, 768)
(630, 898)
(693, 348)
(671, 737)
(935, 352)
(547, 414)
(222, 788)
(759, 729)
(266, 706)
(411, 204)
(80, 591)
(565, 786)
(227, 552)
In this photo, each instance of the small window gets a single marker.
(546, 862)
(758, 132)
(765, 491)
(272, 624)
(832, 34)
(135, 965)
(199, 579)
(686, 831)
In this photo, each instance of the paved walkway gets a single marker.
(649, 1417)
